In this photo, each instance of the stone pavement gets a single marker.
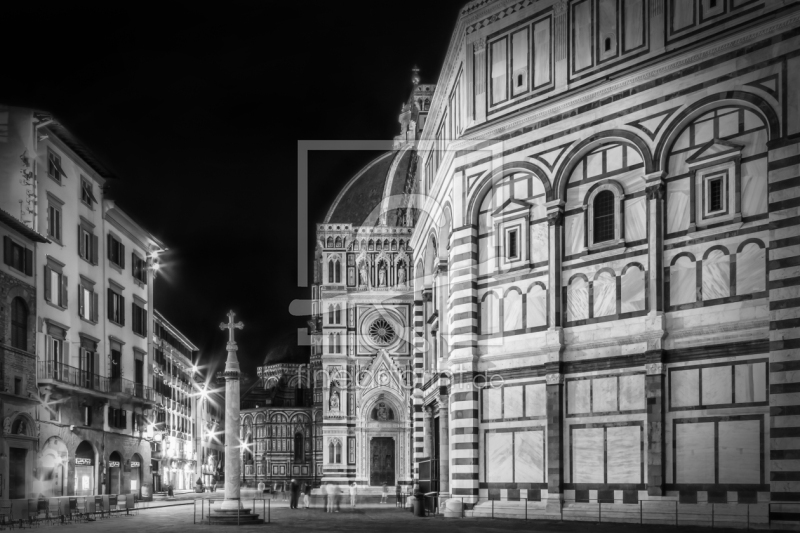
(386, 519)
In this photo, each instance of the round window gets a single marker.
(382, 332)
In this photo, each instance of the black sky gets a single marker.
(198, 107)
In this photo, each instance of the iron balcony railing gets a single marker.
(72, 376)
(91, 381)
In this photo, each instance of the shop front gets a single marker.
(84, 470)
(52, 474)
(136, 474)
(114, 473)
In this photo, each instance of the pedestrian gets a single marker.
(337, 496)
(274, 489)
(324, 491)
(398, 495)
(330, 489)
(353, 492)
(284, 489)
(306, 494)
(294, 487)
(384, 492)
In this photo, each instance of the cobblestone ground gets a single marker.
(384, 519)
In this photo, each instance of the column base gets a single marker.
(553, 509)
(231, 504)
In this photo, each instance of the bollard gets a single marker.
(526, 508)
(712, 516)
(641, 516)
(194, 512)
(493, 509)
(269, 509)
(676, 512)
(748, 516)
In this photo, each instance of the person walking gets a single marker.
(353, 493)
(330, 490)
(294, 486)
(337, 496)
(384, 492)
(285, 491)
(306, 494)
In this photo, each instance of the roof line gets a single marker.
(16, 224)
(175, 331)
(352, 182)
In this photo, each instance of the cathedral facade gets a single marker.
(581, 260)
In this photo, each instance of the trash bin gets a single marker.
(419, 506)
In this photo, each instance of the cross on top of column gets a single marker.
(231, 326)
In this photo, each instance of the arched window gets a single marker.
(337, 314)
(335, 451)
(338, 242)
(329, 242)
(337, 267)
(298, 447)
(330, 271)
(19, 324)
(331, 343)
(603, 216)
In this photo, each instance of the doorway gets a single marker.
(17, 457)
(381, 461)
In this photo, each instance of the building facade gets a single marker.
(18, 346)
(93, 288)
(603, 265)
(174, 448)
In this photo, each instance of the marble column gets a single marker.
(479, 56)
(428, 442)
(655, 270)
(233, 465)
(654, 393)
(444, 446)
(555, 222)
(555, 440)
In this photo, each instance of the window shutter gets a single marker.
(124, 419)
(64, 291)
(109, 246)
(94, 249)
(95, 306)
(6, 250)
(64, 352)
(110, 303)
(48, 348)
(121, 255)
(122, 310)
(48, 290)
(81, 246)
(81, 301)
(28, 262)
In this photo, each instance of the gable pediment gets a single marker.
(714, 149)
(512, 207)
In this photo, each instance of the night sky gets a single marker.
(199, 112)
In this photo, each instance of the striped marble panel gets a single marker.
(694, 453)
(740, 451)
(624, 454)
(587, 455)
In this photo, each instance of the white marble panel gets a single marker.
(512, 402)
(587, 455)
(750, 270)
(754, 187)
(539, 242)
(717, 385)
(578, 398)
(574, 234)
(577, 173)
(636, 219)
(632, 291)
(703, 131)
(614, 158)
(536, 400)
(631, 392)
(537, 307)
(578, 300)
(740, 451)
(604, 395)
(529, 457)
(682, 141)
(512, 311)
(594, 164)
(485, 255)
(521, 189)
(684, 388)
(716, 276)
(677, 205)
(751, 120)
(537, 189)
(633, 180)
(485, 224)
(694, 453)
(624, 456)
(682, 282)
(605, 295)
(729, 124)
(750, 382)
(499, 457)
(634, 157)
(492, 404)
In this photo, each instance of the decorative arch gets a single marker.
(493, 176)
(536, 305)
(686, 116)
(445, 230)
(607, 270)
(489, 313)
(715, 248)
(633, 297)
(604, 293)
(599, 139)
(577, 298)
(690, 255)
(512, 309)
(21, 423)
(371, 399)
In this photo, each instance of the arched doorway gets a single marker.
(84, 469)
(52, 468)
(136, 474)
(114, 473)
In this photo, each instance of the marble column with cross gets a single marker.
(233, 466)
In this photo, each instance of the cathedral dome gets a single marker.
(288, 354)
(375, 193)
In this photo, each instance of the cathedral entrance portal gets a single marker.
(381, 461)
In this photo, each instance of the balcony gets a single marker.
(129, 388)
(73, 378)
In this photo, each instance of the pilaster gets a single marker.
(555, 220)
(555, 439)
(444, 446)
(560, 47)
(655, 187)
(479, 80)
(654, 394)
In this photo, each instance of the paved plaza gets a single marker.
(385, 519)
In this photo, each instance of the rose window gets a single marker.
(381, 332)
